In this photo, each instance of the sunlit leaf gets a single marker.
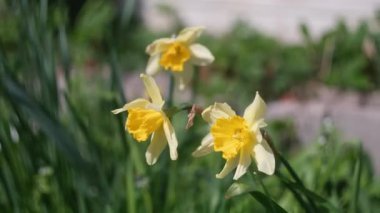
(268, 203)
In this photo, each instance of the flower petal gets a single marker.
(256, 129)
(140, 102)
(264, 158)
(206, 147)
(201, 55)
(171, 138)
(183, 78)
(156, 146)
(152, 89)
(158, 46)
(255, 110)
(188, 35)
(216, 111)
(228, 167)
(244, 162)
(153, 65)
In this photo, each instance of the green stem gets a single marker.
(282, 159)
(258, 178)
(357, 176)
(288, 167)
(171, 91)
(296, 194)
(195, 85)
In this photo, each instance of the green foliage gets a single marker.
(61, 150)
(251, 61)
(348, 61)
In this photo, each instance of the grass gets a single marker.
(63, 151)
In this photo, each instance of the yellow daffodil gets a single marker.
(178, 54)
(147, 119)
(238, 138)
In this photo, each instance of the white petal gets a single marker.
(255, 128)
(216, 111)
(158, 46)
(264, 158)
(152, 89)
(255, 110)
(155, 106)
(156, 146)
(228, 167)
(244, 162)
(183, 78)
(188, 35)
(171, 138)
(201, 55)
(133, 104)
(206, 147)
(153, 65)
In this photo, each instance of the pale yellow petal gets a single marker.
(264, 158)
(152, 89)
(183, 78)
(228, 167)
(216, 111)
(155, 106)
(156, 146)
(201, 55)
(255, 110)
(158, 46)
(243, 165)
(171, 138)
(206, 147)
(153, 65)
(142, 103)
(188, 35)
(255, 128)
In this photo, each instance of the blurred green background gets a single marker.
(61, 150)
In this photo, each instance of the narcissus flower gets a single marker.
(238, 138)
(147, 119)
(178, 54)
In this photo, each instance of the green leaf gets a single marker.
(308, 193)
(268, 203)
(356, 181)
(238, 189)
(50, 126)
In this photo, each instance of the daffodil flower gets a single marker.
(178, 54)
(238, 138)
(147, 119)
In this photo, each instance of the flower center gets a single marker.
(141, 123)
(175, 56)
(231, 135)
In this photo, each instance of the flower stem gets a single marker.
(258, 179)
(171, 91)
(357, 176)
(283, 160)
(195, 85)
(288, 167)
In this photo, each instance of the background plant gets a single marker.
(63, 151)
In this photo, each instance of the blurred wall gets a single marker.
(280, 18)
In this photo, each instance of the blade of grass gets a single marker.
(295, 188)
(9, 184)
(288, 168)
(258, 178)
(266, 201)
(50, 126)
(130, 189)
(356, 181)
